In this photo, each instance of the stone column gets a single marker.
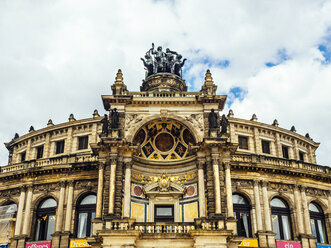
(297, 199)
(67, 223)
(26, 223)
(328, 220)
(100, 190)
(59, 216)
(28, 155)
(306, 214)
(47, 146)
(215, 160)
(112, 184)
(228, 186)
(127, 187)
(257, 141)
(295, 150)
(257, 206)
(267, 216)
(201, 184)
(19, 216)
(279, 151)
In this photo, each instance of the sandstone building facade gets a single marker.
(164, 171)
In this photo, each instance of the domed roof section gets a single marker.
(163, 70)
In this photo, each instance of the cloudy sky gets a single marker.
(272, 58)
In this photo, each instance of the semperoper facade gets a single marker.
(165, 168)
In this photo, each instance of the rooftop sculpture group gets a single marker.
(157, 61)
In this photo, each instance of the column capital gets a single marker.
(71, 183)
(227, 165)
(296, 187)
(201, 163)
(265, 184)
(256, 182)
(30, 187)
(61, 184)
(128, 164)
(215, 158)
(113, 159)
(102, 165)
(23, 188)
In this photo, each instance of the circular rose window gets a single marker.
(164, 142)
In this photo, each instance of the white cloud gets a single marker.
(58, 57)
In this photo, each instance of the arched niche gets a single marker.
(164, 140)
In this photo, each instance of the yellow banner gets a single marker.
(79, 243)
(249, 243)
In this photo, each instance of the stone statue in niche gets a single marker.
(224, 124)
(105, 125)
(114, 117)
(212, 119)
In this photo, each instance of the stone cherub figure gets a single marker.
(212, 119)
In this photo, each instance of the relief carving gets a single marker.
(131, 119)
(89, 185)
(196, 120)
(316, 192)
(281, 188)
(9, 193)
(46, 188)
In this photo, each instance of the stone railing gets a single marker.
(55, 161)
(280, 162)
(165, 94)
(165, 227)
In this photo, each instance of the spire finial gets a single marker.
(119, 77)
(209, 88)
(119, 87)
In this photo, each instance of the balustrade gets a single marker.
(164, 227)
(261, 159)
(82, 158)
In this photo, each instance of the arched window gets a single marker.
(281, 219)
(7, 222)
(45, 225)
(85, 213)
(317, 221)
(242, 208)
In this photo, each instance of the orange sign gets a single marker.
(79, 243)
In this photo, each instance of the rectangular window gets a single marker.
(82, 142)
(164, 213)
(301, 156)
(285, 151)
(265, 146)
(23, 155)
(59, 147)
(40, 151)
(243, 142)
